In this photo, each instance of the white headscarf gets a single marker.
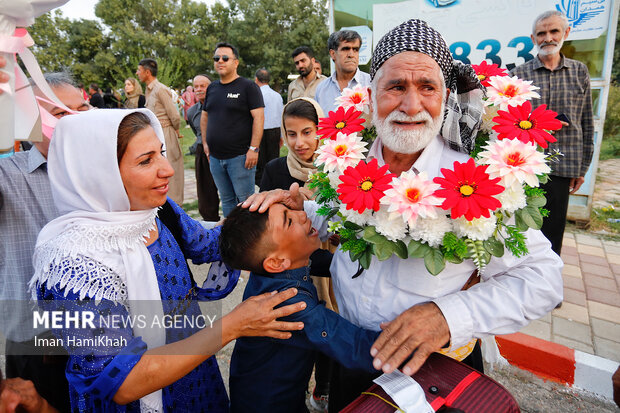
(96, 247)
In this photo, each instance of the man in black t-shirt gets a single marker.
(232, 128)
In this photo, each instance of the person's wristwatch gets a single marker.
(254, 148)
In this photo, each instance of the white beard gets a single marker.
(546, 51)
(407, 141)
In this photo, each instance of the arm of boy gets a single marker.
(331, 334)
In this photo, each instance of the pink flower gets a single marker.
(514, 161)
(504, 91)
(339, 154)
(412, 195)
(356, 97)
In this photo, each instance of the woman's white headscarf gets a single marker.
(96, 247)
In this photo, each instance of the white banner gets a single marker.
(495, 30)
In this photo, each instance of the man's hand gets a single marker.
(575, 184)
(420, 330)
(263, 200)
(251, 159)
(206, 150)
(20, 395)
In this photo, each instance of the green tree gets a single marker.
(267, 31)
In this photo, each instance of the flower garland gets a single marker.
(474, 211)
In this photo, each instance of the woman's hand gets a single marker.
(256, 316)
(21, 396)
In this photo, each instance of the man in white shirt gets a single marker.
(414, 99)
(270, 144)
(344, 50)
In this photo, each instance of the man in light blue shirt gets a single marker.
(270, 145)
(344, 50)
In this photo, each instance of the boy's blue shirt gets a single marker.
(271, 375)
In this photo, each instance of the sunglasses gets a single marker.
(216, 58)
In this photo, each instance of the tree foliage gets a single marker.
(180, 35)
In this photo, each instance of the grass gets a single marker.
(610, 147)
(604, 219)
(188, 140)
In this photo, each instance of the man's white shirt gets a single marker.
(513, 290)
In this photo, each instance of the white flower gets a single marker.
(487, 118)
(355, 217)
(512, 198)
(334, 226)
(514, 161)
(392, 229)
(431, 230)
(334, 178)
(504, 91)
(476, 229)
(344, 151)
(357, 97)
(411, 196)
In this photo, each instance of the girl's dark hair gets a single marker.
(130, 125)
(301, 109)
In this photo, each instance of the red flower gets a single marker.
(527, 126)
(468, 190)
(340, 121)
(363, 186)
(485, 71)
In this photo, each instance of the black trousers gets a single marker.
(46, 372)
(556, 189)
(269, 149)
(347, 385)
(208, 200)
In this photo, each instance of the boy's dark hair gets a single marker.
(301, 109)
(241, 241)
(230, 46)
(334, 40)
(150, 65)
(303, 49)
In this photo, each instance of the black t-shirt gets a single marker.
(229, 130)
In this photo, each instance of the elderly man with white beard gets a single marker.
(426, 107)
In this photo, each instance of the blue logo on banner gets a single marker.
(579, 11)
(442, 3)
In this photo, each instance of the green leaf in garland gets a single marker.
(366, 258)
(530, 216)
(352, 225)
(494, 247)
(537, 201)
(333, 212)
(450, 256)
(371, 235)
(400, 249)
(543, 179)
(383, 250)
(417, 249)
(478, 254)
(434, 261)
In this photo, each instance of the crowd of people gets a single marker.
(91, 221)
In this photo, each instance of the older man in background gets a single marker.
(26, 205)
(208, 200)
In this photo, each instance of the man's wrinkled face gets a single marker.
(549, 36)
(303, 64)
(142, 74)
(408, 98)
(346, 58)
(201, 84)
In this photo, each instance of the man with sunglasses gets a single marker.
(232, 128)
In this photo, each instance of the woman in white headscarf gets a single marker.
(109, 174)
